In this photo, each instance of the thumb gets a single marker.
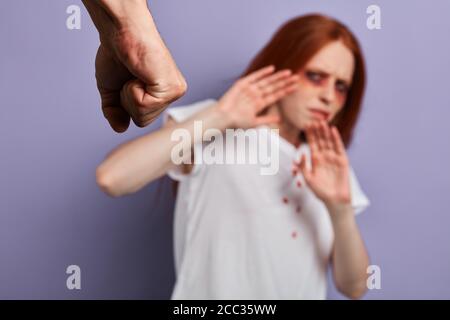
(118, 118)
(305, 171)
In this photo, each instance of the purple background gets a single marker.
(53, 136)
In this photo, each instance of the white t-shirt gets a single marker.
(242, 235)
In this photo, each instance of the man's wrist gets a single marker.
(122, 12)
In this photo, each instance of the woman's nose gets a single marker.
(327, 94)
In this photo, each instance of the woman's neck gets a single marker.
(287, 130)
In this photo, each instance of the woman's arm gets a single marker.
(349, 259)
(329, 178)
(136, 163)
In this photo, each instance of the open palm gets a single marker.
(328, 176)
(249, 96)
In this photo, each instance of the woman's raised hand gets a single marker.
(328, 176)
(250, 95)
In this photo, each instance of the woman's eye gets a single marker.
(314, 77)
(342, 88)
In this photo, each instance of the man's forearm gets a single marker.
(112, 15)
(126, 12)
(136, 74)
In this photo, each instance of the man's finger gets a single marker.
(117, 117)
(142, 107)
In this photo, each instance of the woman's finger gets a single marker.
(303, 169)
(312, 142)
(279, 85)
(317, 132)
(337, 141)
(287, 88)
(258, 74)
(266, 81)
(327, 135)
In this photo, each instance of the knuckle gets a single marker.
(174, 92)
(141, 121)
(138, 104)
(179, 89)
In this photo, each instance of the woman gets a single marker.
(243, 235)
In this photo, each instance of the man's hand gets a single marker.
(136, 74)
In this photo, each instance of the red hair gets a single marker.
(297, 41)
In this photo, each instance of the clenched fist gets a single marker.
(136, 75)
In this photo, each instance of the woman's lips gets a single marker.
(320, 114)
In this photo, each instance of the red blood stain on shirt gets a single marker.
(294, 234)
(294, 172)
(298, 209)
(285, 200)
(299, 184)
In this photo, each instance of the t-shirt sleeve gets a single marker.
(180, 114)
(360, 201)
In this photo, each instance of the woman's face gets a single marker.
(324, 83)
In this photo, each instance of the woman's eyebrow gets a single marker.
(347, 83)
(327, 74)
